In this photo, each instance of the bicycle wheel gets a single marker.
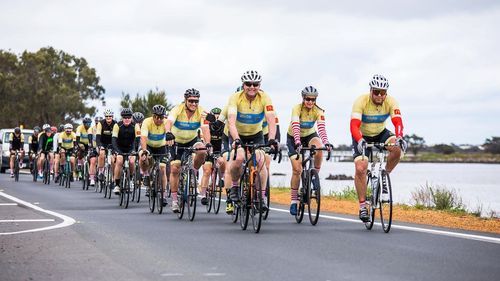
(256, 212)
(46, 171)
(126, 189)
(85, 175)
(152, 190)
(192, 195)
(314, 200)
(109, 179)
(386, 202)
(217, 193)
(34, 170)
(16, 168)
(121, 197)
(68, 174)
(303, 194)
(245, 201)
(137, 184)
(181, 194)
(159, 194)
(104, 188)
(268, 197)
(371, 202)
(210, 192)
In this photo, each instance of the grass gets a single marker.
(439, 198)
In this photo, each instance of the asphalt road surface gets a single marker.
(52, 233)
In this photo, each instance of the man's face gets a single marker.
(68, 131)
(251, 88)
(158, 120)
(127, 120)
(192, 103)
(378, 96)
(109, 119)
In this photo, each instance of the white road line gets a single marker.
(172, 274)
(214, 274)
(8, 204)
(34, 220)
(416, 229)
(67, 221)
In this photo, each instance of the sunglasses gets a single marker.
(250, 84)
(193, 101)
(310, 99)
(379, 93)
(127, 117)
(109, 116)
(158, 117)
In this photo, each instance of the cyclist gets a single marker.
(33, 145)
(153, 141)
(60, 129)
(16, 142)
(183, 122)
(301, 132)
(138, 118)
(104, 131)
(45, 147)
(124, 140)
(67, 144)
(216, 132)
(368, 116)
(247, 110)
(84, 139)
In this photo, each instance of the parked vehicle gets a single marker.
(4, 147)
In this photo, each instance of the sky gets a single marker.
(441, 58)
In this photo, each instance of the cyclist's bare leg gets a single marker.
(118, 168)
(131, 162)
(200, 156)
(235, 165)
(295, 180)
(12, 155)
(262, 170)
(163, 172)
(361, 166)
(92, 167)
(175, 168)
(40, 161)
(207, 172)
(100, 160)
(394, 155)
(318, 157)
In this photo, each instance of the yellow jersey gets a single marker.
(84, 134)
(185, 129)
(249, 114)
(154, 134)
(67, 141)
(373, 116)
(306, 119)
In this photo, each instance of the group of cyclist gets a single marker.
(249, 117)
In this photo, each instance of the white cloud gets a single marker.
(441, 57)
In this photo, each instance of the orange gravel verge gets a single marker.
(401, 213)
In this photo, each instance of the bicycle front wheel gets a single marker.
(256, 210)
(268, 197)
(192, 195)
(314, 200)
(16, 169)
(152, 191)
(159, 194)
(386, 202)
(217, 193)
(245, 202)
(372, 203)
(181, 194)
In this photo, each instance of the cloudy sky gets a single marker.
(442, 58)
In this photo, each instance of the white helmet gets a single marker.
(108, 112)
(68, 126)
(251, 76)
(379, 82)
(309, 91)
(45, 127)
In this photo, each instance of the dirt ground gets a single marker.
(402, 213)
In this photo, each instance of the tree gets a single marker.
(444, 149)
(48, 86)
(492, 145)
(145, 103)
(415, 142)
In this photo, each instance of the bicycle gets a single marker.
(85, 171)
(214, 190)
(34, 166)
(137, 179)
(125, 181)
(17, 162)
(307, 195)
(379, 181)
(155, 186)
(46, 168)
(106, 181)
(66, 172)
(250, 204)
(188, 189)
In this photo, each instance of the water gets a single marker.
(477, 184)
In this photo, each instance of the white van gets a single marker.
(4, 147)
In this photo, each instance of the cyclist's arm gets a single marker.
(320, 121)
(205, 131)
(98, 134)
(11, 139)
(114, 138)
(396, 119)
(356, 114)
(270, 116)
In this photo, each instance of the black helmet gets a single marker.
(126, 112)
(36, 129)
(87, 121)
(215, 110)
(159, 110)
(191, 93)
(138, 117)
(17, 130)
(61, 127)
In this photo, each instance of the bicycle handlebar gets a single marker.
(313, 148)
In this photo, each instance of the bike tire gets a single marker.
(126, 189)
(386, 205)
(268, 197)
(210, 192)
(109, 179)
(302, 199)
(371, 208)
(192, 195)
(121, 197)
(159, 194)
(16, 169)
(217, 194)
(181, 196)
(34, 170)
(245, 201)
(314, 198)
(256, 210)
(152, 191)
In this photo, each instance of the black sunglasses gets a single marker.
(379, 92)
(127, 117)
(158, 117)
(310, 99)
(250, 84)
(193, 101)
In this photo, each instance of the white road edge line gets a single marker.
(8, 204)
(67, 221)
(33, 220)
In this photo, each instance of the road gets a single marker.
(92, 238)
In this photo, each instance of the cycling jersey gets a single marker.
(124, 137)
(83, 135)
(216, 132)
(45, 143)
(33, 142)
(67, 141)
(155, 134)
(368, 119)
(104, 132)
(185, 129)
(249, 114)
(16, 142)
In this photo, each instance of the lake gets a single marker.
(477, 184)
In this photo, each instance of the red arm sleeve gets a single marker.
(355, 132)
(398, 126)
